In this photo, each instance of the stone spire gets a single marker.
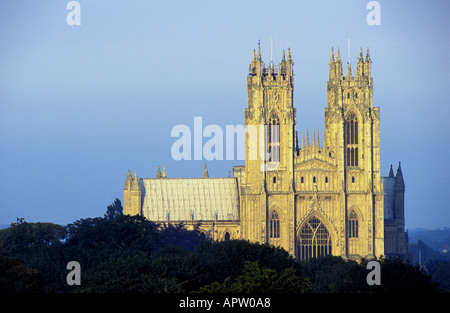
(135, 182)
(332, 65)
(318, 139)
(360, 64)
(307, 138)
(367, 63)
(391, 172)
(163, 175)
(349, 71)
(158, 173)
(303, 139)
(282, 66)
(205, 172)
(314, 137)
(399, 184)
(128, 181)
(338, 65)
(290, 64)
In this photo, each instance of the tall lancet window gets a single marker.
(353, 225)
(273, 142)
(351, 139)
(274, 225)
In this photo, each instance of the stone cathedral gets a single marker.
(308, 197)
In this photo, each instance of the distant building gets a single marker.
(311, 199)
(395, 237)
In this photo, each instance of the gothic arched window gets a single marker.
(273, 142)
(314, 240)
(351, 139)
(353, 225)
(274, 227)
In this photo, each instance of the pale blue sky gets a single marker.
(80, 105)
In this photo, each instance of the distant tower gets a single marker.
(132, 195)
(396, 238)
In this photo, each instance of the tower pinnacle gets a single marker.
(164, 175)
(399, 182)
(391, 172)
(205, 172)
(349, 71)
(158, 173)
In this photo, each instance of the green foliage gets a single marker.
(440, 272)
(114, 210)
(178, 235)
(259, 280)
(402, 277)
(17, 278)
(122, 233)
(125, 274)
(227, 258)
(332, 274)
(23, 237)
(129, 254)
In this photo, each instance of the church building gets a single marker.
(310, 198)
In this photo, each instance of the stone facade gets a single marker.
(310, 199)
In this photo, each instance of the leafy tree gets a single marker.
(180, 267)
(440, 271)
(398, 276)
(126, 273)
(178, 235)
(123, 233)
(17, 278)
(23, 237)
(114, 210)
(132, 254)
(39, 247)
(333, 274)
(260, 280)
(227, 258)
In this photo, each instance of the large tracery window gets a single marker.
(314, 240)
(351, 139)
(273, 142)
(274, 227)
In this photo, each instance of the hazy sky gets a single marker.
(81, 105)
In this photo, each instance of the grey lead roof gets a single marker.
(187, 199)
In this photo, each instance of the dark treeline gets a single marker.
(129, 254)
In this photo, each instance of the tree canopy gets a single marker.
(131, 254)
(114, 210)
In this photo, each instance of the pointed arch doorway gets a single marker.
(313, 240)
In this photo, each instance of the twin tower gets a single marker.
(312, 198)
